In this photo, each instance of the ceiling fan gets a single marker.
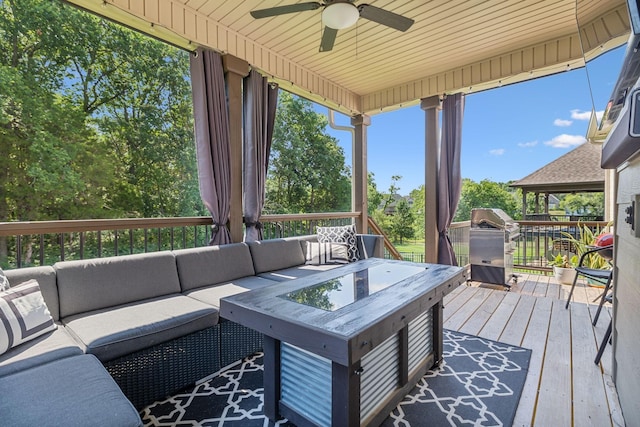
(338, 15)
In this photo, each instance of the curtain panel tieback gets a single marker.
(257, 224)
(216, 226)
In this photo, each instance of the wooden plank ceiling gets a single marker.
(454, 45)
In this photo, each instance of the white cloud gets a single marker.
(527, 144)
(562, 122)
(580, 115)
(497, 152)
(565, 141)
(599, 115)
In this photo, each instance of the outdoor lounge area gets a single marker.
(218, 309)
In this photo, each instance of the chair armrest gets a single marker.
(370, 245)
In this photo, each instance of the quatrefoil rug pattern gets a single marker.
(478, 384)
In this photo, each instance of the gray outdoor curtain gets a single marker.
(260, 102)
(211, 116)
(449, 176)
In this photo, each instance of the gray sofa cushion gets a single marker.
(206, 266)
(44, 349)
(211, 294)
(46, 277)
(296, 272)
(116, 331)
(75, 391)
(106, 282)
(276, 254)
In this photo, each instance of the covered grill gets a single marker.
(491, 246)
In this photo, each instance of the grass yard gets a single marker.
(410, 245)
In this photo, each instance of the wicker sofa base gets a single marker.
(156, 372)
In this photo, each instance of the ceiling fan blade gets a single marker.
(283, 10)
(385, 17)
(328, 39)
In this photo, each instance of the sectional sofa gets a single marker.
(126, 331)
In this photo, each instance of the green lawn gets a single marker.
(416, 246)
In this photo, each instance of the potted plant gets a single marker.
(585, 239)
(563, 269)
(578, 243)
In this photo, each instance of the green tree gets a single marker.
(583, 203)
(485, 194)
(403, 221)
(418, 210)
(307, 171)
(374, 197)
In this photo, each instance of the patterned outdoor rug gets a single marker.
(479, 384)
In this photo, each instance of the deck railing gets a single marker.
(24, 244)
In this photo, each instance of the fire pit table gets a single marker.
(344, 346)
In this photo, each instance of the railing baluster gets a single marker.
(171, 237)
(146, 240)
(19, 251)
(82, 245)
(159, 239)
(41, 254)
(61, 243)
(115, 244)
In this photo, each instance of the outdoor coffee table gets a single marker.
(343, 347)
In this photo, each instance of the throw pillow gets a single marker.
(23, 315)
(4, 282)
(327, 253)
(343, 234)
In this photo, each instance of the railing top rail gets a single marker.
(66, 226)
(308, 216)
(563, 223)
(461, 224)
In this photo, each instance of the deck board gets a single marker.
(563, 386)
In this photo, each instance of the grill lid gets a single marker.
(491, 218)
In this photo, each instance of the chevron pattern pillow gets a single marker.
(342, 234)
(23, 315)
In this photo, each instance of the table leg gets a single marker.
(271, 348)
(345, 399)
(437, 333)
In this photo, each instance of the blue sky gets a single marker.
(508, 132)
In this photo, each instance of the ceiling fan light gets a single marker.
(340, 15)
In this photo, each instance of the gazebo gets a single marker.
(577, 171)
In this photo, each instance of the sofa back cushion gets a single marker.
(99, 283)
(46, 278)
(276, 254)
(210, 265)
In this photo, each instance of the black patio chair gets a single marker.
(603, 276)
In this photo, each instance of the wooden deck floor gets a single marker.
(564, 387)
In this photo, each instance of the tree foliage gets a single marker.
(95, 120)
(485, 194)
(402, 224)
(307, 171)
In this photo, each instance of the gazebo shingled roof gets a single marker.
(576, 171)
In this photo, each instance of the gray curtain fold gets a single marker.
(211, 116)
(449, 175)
(260, 103)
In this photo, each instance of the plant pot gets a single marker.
(565, 276)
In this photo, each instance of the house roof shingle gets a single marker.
(576, 171)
